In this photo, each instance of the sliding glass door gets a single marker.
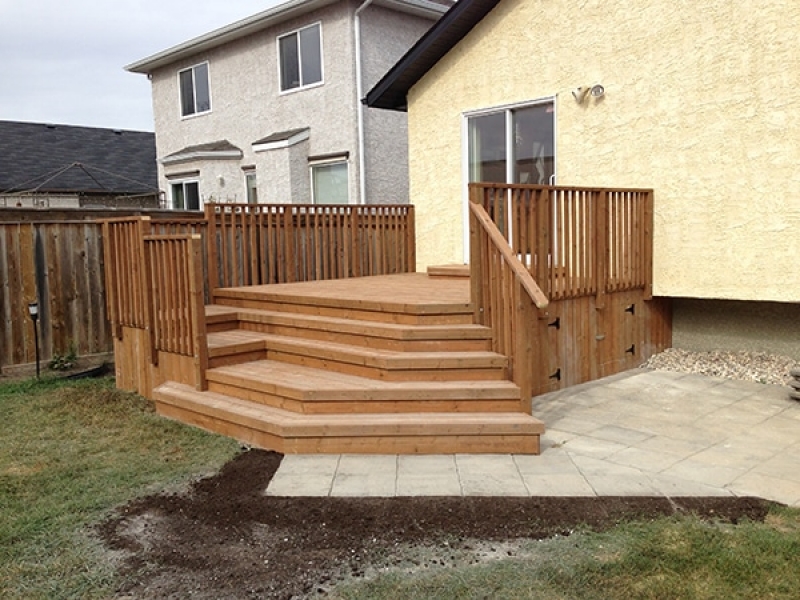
(513, 145)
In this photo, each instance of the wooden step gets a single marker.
(221, 318)
(448, 271)
(386, 365)
(406, 433)
(314, 391)
(407, 298)
(460, 337)
(235, 346)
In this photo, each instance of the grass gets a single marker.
(69, 452)
(680, 557)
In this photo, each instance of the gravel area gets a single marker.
(746, 366)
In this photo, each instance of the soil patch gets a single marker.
(224, 538)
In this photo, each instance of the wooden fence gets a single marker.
(279, 243)
(58, 265)
(588, 309)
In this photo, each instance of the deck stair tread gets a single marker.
(454, 270)
(377, 358)
(369, 328)
(283, 423)
(408, 293)
(309, 384)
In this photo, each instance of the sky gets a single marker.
(62, 61)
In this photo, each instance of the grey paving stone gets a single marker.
(366, 475)
(433, 475)
(489, 475)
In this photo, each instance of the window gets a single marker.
(300, 57)
(186, 195)
(329, 183)
(514, 145)
(250, 187)
(195, 90)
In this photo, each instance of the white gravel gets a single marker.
(745, 366)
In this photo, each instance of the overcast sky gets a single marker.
(61, 61)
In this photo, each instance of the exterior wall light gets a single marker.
(579, 94)
(598, 91)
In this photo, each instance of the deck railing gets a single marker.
(254, 244)
(534, 250)
(124, 263)
(156, 270)
(575, 241)
(174, 277)
(504, 295)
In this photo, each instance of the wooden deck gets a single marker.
(332, 345)
(372, 364)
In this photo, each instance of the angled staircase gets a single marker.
(370, 365)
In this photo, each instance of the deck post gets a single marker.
(601, 249)
(211, 249)
(200, 342)
(411, 240)
(525, 319)
(476, 274)
(648, 245)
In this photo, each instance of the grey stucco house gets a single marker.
(268, 109)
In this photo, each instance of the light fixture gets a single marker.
(33, 311)
(579, 94)
(598, 91)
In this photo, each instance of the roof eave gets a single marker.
(268, 18)
(234, 31)
(392, 90)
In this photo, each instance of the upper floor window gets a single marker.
(300, 57)
(195, 90)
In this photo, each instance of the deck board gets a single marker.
(410, 293)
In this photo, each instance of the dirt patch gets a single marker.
(225, 538)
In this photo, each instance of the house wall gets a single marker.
(386, 35)
(247, 105)
(705, 325)
(700, 105)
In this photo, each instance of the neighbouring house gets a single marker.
(699, 105)
(59, 166)
(267, 110)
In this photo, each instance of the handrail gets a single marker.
(528, 283)
(505, 298)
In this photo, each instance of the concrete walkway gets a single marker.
(639, 433)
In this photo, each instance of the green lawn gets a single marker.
(69, 452)
(670, 558)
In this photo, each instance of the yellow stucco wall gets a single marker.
(702, 104)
